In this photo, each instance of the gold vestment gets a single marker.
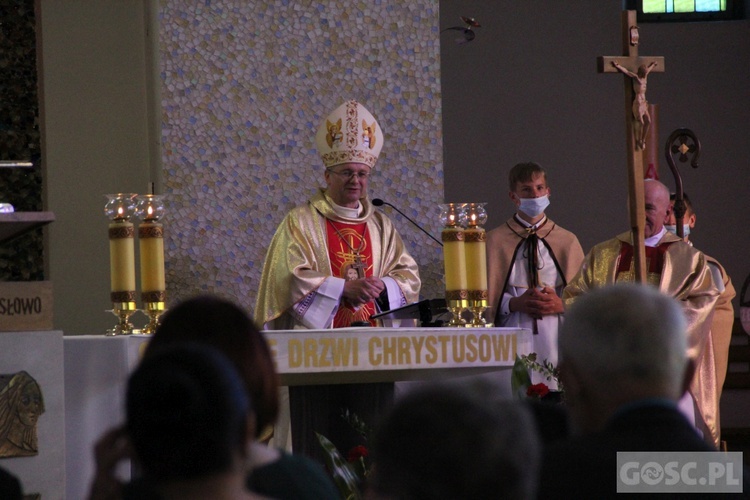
(297, 260)
(686, 277)
(721, 336)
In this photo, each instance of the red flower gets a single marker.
(537, 390)
(356, 453)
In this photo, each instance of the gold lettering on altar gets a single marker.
(431, 351)
(394, 351)
(397, 351)
(443, 339)
(325, 352)
(310, 352)
(418, 344)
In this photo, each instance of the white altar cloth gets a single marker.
(97, 368)
(96, 371)
(40, 354)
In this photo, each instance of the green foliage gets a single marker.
(348, 472)
(357, 424)
(547, 369)
(520, 380)
(344, 475)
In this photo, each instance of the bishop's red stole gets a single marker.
(654, 263)
(350, 253)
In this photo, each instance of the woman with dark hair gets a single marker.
(189, 421)
(209, 320)
(219, 323)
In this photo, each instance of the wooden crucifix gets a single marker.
(635, 70)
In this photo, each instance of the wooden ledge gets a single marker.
(17, 223)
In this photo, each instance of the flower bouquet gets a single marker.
(348, 473)
(521, 379)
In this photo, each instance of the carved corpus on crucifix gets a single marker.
(635, 70)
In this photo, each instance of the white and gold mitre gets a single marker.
(349, 135)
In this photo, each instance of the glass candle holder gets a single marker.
(118, 209)
(475, 243)
(453, 218)
(150, 209)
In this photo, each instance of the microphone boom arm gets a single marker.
(378, 202)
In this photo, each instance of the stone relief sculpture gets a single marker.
(21, 404)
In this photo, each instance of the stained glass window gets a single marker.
(686, 10)
(664, 6)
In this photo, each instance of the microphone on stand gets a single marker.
(379, 203)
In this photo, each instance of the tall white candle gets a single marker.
(476, 259)
(151, 242)
(122, 256)
(454, 259)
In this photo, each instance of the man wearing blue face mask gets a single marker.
(530, 259)
(688, 221)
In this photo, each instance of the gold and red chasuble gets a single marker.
(654, 263)
(350, 253)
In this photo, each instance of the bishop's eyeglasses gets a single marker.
(349, 174)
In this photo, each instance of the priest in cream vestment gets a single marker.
(678, 270)
(333, 263)
(723, 321)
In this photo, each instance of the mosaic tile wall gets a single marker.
(21, 259)
(245, 85)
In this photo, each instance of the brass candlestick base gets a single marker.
(456, 307)
(153, 310)
(123, 311)
(477, 308)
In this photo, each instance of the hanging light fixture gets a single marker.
(467, 31)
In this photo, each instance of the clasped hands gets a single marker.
(363, 290)
(537, 303)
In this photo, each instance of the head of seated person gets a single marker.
(456, 440)
(619, 345)
(188, 419)
(223, 325)
(688, 220)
